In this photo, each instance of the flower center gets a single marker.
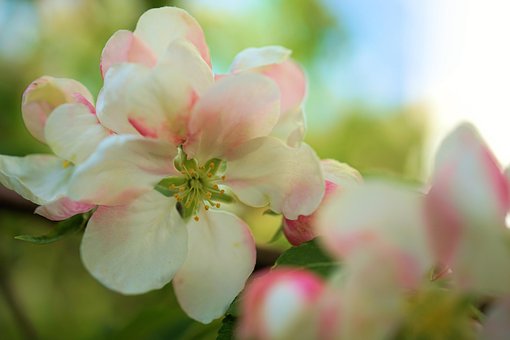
(196, 186)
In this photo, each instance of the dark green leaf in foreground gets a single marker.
(308, 256)
(226, 331)
(63, 228)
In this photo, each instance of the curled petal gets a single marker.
(121, 168)
(43, 95)
(233, 111)
(155, 102)
(125, 47)
(62, 209)
(38, 178)
(274, 303)
(159, 27)
(266, 171)
(136, 247)
(252, 58)
(220, 259)
(338, 176)
(73, 132)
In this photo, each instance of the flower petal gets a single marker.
(38, 178)
(375, 214)
(274, 62)
(273, 303)
(255, 57)
(43, 95)
(155, 102)
(235, 110)
(267, 171)
(159, 27)
(122, 168)
(62, 209)
(136, 247)
(73, 132)
(125, 47)
(221, 258)
(466, 209)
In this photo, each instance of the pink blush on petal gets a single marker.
(142, 128)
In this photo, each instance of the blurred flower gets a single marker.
(59, 112)
(496, 325)
(337, 176)
(466, 210)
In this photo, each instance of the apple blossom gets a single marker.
(58, 112)
(337, 176)
(466, 210)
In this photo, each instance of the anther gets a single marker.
(222, 191)
(209, 175)
(211, 165)
(196, 218)
(206, 207)
(208, 195)
(223, 178)
(216, 187)
(218, 205)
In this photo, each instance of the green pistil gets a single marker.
(196, 185)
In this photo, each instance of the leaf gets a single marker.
(63, 228)
(226, 332)
(308, 256)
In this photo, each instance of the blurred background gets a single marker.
(387, 80)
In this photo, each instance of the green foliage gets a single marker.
(308, 256)
(70, 226)
(226, 332)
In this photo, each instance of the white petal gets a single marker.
(221, 256)
(291, 127)
(373, 214)
(136, 247)
(73, 132)
(251, 58)
(340, 173)
(62, 209)
(125, 47)
(155, 102)
(38, 178)
(122, 168)
(235, 110)
(267, 171)
(43, 95)
(159, 27)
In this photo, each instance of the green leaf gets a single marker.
(308, 256)
(63, 228)
(226, 331)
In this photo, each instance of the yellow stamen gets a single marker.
(66, 164)
(206, 207)
(216, 187)
(223, 178)
(196, 218)
(218, 205)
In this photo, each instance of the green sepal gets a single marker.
(63, 228)
(271, 213)
(165, 185)
(217, 196)
(278, 233)
(187, 212)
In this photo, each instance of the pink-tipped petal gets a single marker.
(62, 209)
(125, 47)
(43, 95)
(122, 168)
(136, 247)
(235, 110)
(73, 132)
(221, 257)
(155, 102)
(338, 176)
(273, 303)
(274, 62)
(267, 171)
(159, 27)
(373, 214)
(466, 209)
